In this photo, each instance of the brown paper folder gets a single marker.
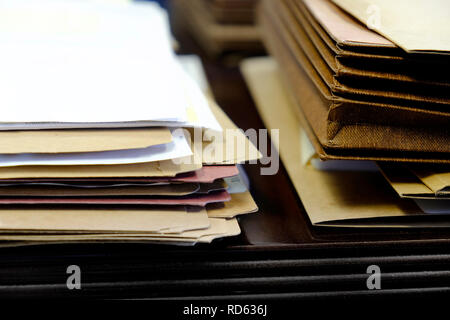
(335, 140)
(218, 228)
(88, 221)
(350, 199)
(437, 178)
(61, 141)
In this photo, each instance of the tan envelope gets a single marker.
(82, 140)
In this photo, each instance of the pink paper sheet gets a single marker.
(192, 200)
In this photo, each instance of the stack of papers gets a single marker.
(361, 95)
(220, 25)
(364, 103)
(96, 142)
(345, 193)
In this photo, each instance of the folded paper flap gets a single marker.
(350, 195)
(240, 203)
(220, 147)
(208, 174)
(437, 178)
(63, 141)
(191, 199)
(404, 182)
(342, 27)
(430, 32)
(227, 152)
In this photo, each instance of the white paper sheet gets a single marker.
(85, 64)
(179, 147)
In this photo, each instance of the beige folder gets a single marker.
(81, 140)
(414, 25)
(344, 199)
(218, 228)
(174, 190)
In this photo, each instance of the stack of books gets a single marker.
(105, 136)
(370, 96)
(220, 25)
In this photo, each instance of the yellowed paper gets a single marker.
(414, 25)
(240, 203)
(82, 140)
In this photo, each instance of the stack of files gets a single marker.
(346, 193)
(220, 25)
(361, 95)
(96, 142)
(233, 11)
